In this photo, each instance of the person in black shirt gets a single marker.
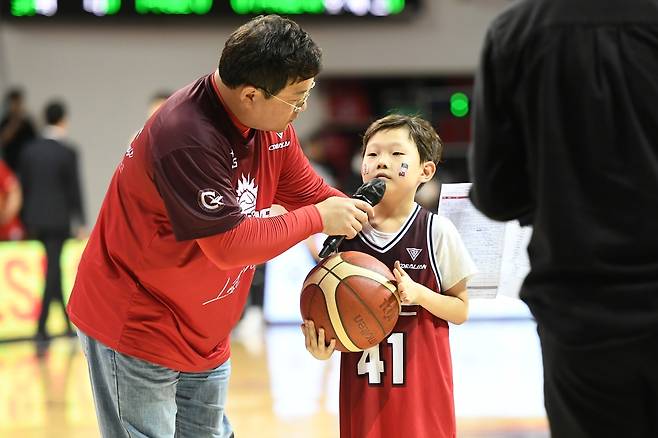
(16, 128)
(565, 138)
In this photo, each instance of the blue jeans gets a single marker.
(139, 399)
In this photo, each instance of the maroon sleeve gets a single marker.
(195, 185)
(257, 240)
(299, 185)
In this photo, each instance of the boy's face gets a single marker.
(393, 156)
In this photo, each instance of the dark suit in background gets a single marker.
(52, 206)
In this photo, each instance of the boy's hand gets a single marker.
(407, 288)
(315, 343)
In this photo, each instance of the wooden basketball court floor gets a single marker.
(278, 390)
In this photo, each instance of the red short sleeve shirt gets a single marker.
(144, 287)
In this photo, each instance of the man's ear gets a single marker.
(248, 95)
(428, 170)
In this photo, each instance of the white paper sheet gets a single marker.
(514, 264)
(497, 248)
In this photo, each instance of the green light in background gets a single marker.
(459, 104)
(102, 8)
(277, 6)
(173, 7)
(21, 8)
(113, 7)
(395, 6)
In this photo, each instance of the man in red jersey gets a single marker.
(167, 269)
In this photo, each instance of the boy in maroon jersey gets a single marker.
(403, 386)
(166, 272)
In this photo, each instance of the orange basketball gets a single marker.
(353, 297)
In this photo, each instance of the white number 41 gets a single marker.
(371, 365)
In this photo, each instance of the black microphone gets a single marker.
(372, 192)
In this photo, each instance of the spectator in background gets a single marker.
(52, 200)
(428, 195)
(314, 149)
(154, 103)
(11, 199)
(157, 100)
(16, 128)
(566, 139)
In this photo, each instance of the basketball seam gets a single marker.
(340, 320)
(318, 295)
(323, 277)
(358, 298)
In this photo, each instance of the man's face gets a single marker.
(276, 112)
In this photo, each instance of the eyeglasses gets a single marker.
(297, 106)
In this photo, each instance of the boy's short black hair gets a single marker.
(269, 52)
(423, 134)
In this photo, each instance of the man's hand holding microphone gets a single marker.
(344, 217)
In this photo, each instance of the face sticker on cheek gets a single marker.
(403, 169)
(364, 169)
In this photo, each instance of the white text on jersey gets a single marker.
(279, 145)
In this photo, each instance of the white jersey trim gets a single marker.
(432, 249)
(366, 237)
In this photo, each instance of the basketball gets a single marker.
(353, 297)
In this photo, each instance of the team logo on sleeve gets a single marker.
(210, 200)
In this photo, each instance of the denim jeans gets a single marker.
(139, 399)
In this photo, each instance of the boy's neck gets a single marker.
(390, 216)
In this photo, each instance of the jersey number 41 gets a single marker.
(370, 362)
